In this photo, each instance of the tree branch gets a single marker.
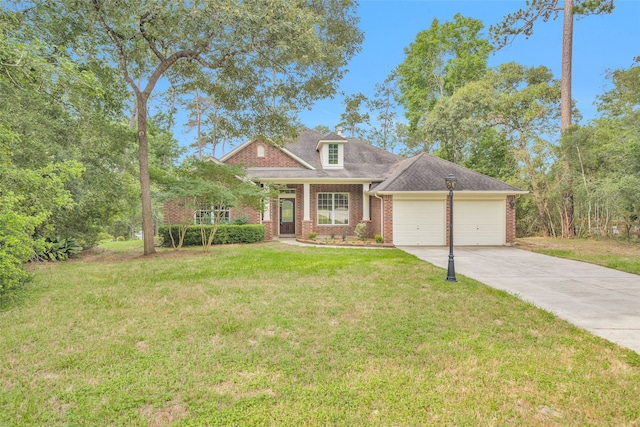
(152, 44)
(115, 38)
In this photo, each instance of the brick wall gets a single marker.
(273, 157)
(376, 223)
(387, 203)
(252, 214)
(177, 212)
(355, 208)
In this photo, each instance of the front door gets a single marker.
(287, 217)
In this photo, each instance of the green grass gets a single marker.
(272, 334)
(630, 264)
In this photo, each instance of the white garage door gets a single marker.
(479, 222)
(418, 222)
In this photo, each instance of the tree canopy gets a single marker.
(441, 60)
(259, 60)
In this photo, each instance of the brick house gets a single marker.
(331, 183)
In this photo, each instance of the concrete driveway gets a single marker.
(603, 301)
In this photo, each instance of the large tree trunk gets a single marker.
(568, 224)
(145, 183)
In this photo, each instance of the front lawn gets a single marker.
(270, 334)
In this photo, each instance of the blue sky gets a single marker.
(600, 43)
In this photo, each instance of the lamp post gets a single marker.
(450, 180)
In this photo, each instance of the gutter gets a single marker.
(381, 214)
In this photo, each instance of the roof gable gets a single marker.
(246, 154)
(425, 172)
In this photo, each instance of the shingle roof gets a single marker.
(361, 160)
(425, 172)
(388, 172)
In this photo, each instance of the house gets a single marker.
(331, 183)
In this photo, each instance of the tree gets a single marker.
(606, 156)
(507, 116)
(322, 129)
(210, 187)
(525, 109)
(352, 116)
(522, 22)
(441, 60)
(454, 121)
(51, 187)
(383, 104)
(234, 46)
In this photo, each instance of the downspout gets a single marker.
(381, 213)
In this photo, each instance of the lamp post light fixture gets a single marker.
(450, 180)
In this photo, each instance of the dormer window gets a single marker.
(332, 151)
(333, 154)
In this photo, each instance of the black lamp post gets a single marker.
(450, 180)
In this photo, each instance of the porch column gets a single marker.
(366, 216)
(307, 202)
(266, 215)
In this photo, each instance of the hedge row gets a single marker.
(227, 233)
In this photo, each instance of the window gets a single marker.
(333, 208)
(333, 154)
(208, 214)
(260, 150)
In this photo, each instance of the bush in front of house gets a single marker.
(361, 231)
(226, 234)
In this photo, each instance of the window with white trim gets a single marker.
(333, 154)
(208, 214)
(333, 208)
(260, 150)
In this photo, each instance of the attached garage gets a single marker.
(418, 222)
(479, 222)
(416, 196)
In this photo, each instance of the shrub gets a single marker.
(361, 231)
(59, 249)
(379, 238)
(120, 238)
(104, 237)
(226, 234)
(16, 242)
(241, 220)
(312, 235)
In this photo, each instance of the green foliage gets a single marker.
(440, 61)
(59, 249)
(386, 134)
(604, 159)
(353, 115)
(312, 235)
(523, 20)
(240, 220)
(67, 157)
(225, 234)
(105, 237)
(379, 238)
(16, 244)
(121, 239)
(242, 55)
(361, 231)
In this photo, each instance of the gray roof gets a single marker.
(425, 172)
(361, 160)
(333, 137)
(388, 172)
